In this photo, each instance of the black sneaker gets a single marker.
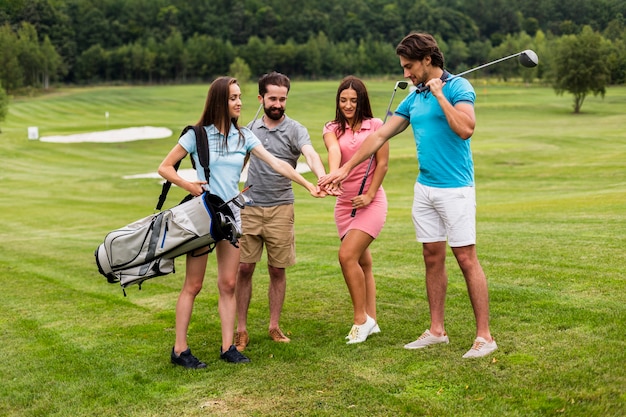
(233, 355)
(187, 360)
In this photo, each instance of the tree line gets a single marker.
(164, 41)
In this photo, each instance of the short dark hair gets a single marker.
(273, 78)
(417, 46)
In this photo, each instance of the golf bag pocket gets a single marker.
(138, 274)
(142, 249)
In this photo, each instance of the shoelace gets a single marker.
(238, 355)
(194, 361)
(354, 332)
(424, 335)
(277, 334)
(478, 345)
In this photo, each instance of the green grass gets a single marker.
(552, 224)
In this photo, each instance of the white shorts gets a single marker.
(441, 214)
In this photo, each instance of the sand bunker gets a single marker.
(112, 136)
(141, 133)
(190, 174)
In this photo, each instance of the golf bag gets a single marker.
(147, 247)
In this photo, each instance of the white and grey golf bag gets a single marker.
(147, 247)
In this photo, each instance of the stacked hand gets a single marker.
(331, 182)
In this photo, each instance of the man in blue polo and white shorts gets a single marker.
(444, 203)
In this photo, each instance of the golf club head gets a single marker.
(402, 84)
(528, 58)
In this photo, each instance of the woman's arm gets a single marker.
(334, 150)
(382, 165)
(167, 171)
(286, 170)
(372, 143)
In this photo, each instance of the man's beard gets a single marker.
(273, 113)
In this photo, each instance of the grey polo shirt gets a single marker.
(285, 142)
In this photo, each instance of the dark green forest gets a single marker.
(159, 41)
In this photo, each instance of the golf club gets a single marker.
(399, 84)
(528, 58)
(239, 200)
(256, 115)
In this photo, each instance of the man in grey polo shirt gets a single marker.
(269, 219)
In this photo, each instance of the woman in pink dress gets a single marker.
(343, 136)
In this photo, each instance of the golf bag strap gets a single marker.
(202, 145)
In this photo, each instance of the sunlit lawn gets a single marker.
(551, 221)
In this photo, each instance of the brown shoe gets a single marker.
(241, 340)
(278, 336)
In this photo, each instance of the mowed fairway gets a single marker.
(551, 189)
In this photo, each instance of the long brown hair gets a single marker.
(363, 107)
(216, 110)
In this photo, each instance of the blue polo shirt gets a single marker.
(225, 165)
(445, 159)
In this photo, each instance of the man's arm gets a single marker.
(460, 117)
(313, 160)
(371, 145)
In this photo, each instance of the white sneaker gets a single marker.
(375, 330)
(481, 348)
(359, 333)
(427, 339)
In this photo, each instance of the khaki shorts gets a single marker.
(272, 227)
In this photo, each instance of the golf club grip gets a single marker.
(423, 87)
(367, 171)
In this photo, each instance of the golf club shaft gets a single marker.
(369, 164)
(426, 88)
(235, 197)
(256, 115)
(246, 160)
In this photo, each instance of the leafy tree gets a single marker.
(254, 53)
(616, 59)
(540, 46)
(92, 27)
(10, 70)
(513, 44)
(91, 65)
(456, 54)
(313, 57)
(163, 40)
(4, 104)
(30, 56)
(208, 56)
(531, 26)
(173, 58)
(580, 66)
(240, 70)
(51, 64)
(495, 18)
(615, 28)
